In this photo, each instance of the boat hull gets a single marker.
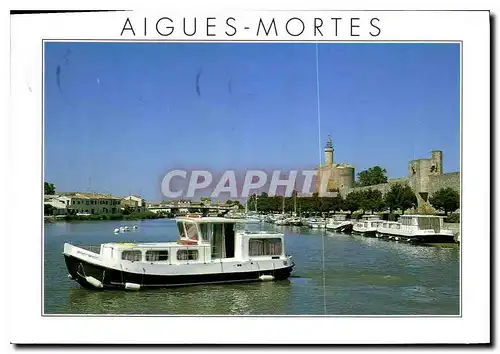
(419, 239)
(89, 274)
(344, 228)
(366, 233)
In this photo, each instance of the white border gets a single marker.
(25, 162)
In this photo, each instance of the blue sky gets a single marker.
(125, 113)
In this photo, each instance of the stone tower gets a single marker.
(338, 177)
(329, 152)
(436, 165)
(421, 171)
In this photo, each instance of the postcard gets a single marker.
(291, 175)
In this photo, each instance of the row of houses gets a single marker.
(186, 204)
(93, 203)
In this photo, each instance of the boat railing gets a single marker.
(91, 248)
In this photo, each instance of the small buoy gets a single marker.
(70, 276)
(94, 282)
(397, 238)
(132, 286)
(266, 277)
(408, 240)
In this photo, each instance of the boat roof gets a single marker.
(211, 219)
(420, 216)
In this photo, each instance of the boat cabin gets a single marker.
(368, 223)
(338, 217)
(390, 225)
(421, 222)
(202, 240)
(221, 235)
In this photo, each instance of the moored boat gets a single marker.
(210, 250)
(316, 224)
(295, 221)
(416, 229)
(367, 226)
(340, 226)
(338, 223)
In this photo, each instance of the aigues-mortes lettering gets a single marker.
(262, 27)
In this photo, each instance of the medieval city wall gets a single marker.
(447, 180)
(434, 183)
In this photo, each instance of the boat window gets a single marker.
(429, 224)
(217, 241)
(180, 226)
(185, 255)
(205, 231)
(132, 256)
(264, 247)
(191, 231)
(155, 256)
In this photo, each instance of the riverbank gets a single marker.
(96, 217)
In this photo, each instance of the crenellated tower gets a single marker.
(329, 152)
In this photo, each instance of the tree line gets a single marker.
(399, 197)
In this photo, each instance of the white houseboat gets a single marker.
(210, 250)
(416, 229)
(367, 226)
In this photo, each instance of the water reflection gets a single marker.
(241, 299)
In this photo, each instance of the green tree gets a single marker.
(353, 201)
(127, 210)
(49, 188)
(48, 209)
(372, 200)
(400, 197)
(334, 203)
(373, 175)
(446, 199)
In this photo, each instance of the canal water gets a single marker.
(335, 274)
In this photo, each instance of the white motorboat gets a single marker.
(282, 222)
(210, 250)
(295, 221)
(316, 224)
(338, 223)
(340, 226)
